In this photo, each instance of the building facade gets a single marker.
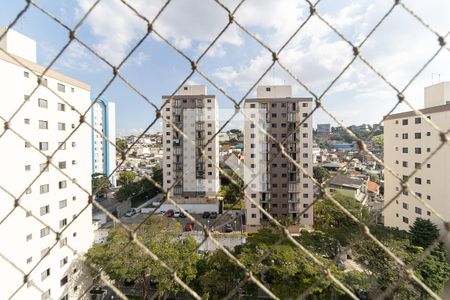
(103, 119)
(408, 141)
(277, 184)
(191, 178)
(44, 237)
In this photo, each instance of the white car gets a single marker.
(176, 214)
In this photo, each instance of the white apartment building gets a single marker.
(408, 141)
(194, 112)
(276, 183)
(103, 119)
(34, 264)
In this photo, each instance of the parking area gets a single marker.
(218, 224)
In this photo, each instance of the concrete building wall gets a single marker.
(437, 94)
(408, 141)
(53, 198)
(280, 187)
(18, 44)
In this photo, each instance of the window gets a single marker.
(62, 146)
(417, 165)
(404, 136)
(27, 167)
(44, 275)
(29, 237)
(28, 191)
(26, 121)
(417, 180)
(63, 281)
(29, 259)
(417, 135)
(45, 252)
(61, 126)
(253, 216)
(417, 120)
(44, 210)
(418, 150)
(43, 167)
(405, 164)
(418, 210)
(72, 90)
(43, 146)
(62, 164)
(63, 242)
(63, 203)
(61, 88)
(26, 74)
(404, 150)
(44, 188)
(304, 104)
(62, 184)
(405, 205)
(428, 133)
(428, 181)
(45, 231)
(42, 103)
(405, 220)
(62, 223)
(405, 122)
(61, 107)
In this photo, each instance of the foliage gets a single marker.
(121, 144)
(159, 235)
(100, 184)
(320, 174)
(378, 141)
(434, 270)
(327, 215)
(423, 232)
(139, 191)
(375, 178)
(231, 193)
(126, 178)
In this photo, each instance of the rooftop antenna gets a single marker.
(438, 76)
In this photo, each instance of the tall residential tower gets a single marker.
(408, 141)
(103, 119)
(193, 111)
(46, 219)
(275, 182)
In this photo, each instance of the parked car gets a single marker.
(131, 212)
(228, 228)
(169, 213)
(182, 215)
(162, 212)
(156, 203)
(176, 214)
(213, 215)
(205, 215)
(188, 226)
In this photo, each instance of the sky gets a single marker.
(397, 49)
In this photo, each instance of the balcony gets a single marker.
(177, 142)
(178, 167)
(199, 103)
(292, 117)
(292, 187)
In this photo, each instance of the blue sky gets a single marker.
(398, 49)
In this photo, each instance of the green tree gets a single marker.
(320, 173)
(121, 144)
(217, 275)
(126, 178)
(423, 232)
(378, 141)
(434, 270)
(161, 236)
(100, 184)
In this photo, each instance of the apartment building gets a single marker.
(103, 119)
(408, 141)
(191, 178)
(274, 181)
(41, 243)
